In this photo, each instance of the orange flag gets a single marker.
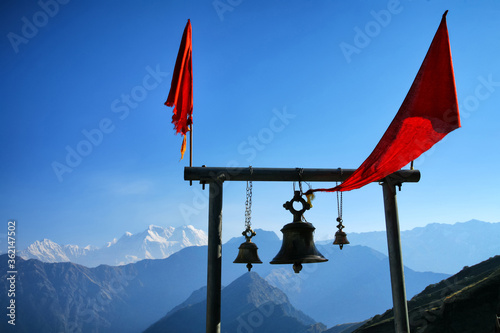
(428, 113)
(181, 88)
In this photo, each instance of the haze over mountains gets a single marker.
(153, 243)
(357, 275)
(352, 286)
(443, 248)
(130, 298)
(468, 301)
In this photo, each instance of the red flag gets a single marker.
(181, 88)
(428, 113)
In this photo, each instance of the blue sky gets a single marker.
(88, 151)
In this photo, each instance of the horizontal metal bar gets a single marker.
(209, 174)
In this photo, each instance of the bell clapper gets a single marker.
(297, 267)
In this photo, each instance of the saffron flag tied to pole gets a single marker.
(181, 88)
(428, 113)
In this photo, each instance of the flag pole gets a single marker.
(191, 150)
(191, 146)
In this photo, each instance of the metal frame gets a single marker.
(216, 177)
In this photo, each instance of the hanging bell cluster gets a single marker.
(298, 244)
(248, 250)
(340, 236)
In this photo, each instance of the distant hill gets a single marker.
(345, 328)
(248, 304)
(468, 301)
(154, 243)
(443, 248)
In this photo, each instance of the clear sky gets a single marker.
(88, 149)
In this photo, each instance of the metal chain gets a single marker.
(339, 204)
(248, 203)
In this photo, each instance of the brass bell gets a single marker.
(340, 236)
(248, 251)
(298, 245)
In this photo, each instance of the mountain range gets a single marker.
(437, 247)
(129, 298)
(153, 243)
(357, 275)
(352, 286)
(67, 297)
(468, 301)
(451, 246)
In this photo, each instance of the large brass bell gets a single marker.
(340, 236)
(298, 245)
(248, 251)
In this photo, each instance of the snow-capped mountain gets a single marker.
(45, 250)
(49, 251)
(154, 243)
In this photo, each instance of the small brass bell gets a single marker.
(248, 251)
(340, 236)
(298, 244)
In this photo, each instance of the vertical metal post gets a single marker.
(214, 257)
(400, 306)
